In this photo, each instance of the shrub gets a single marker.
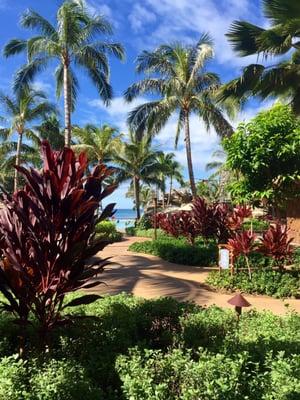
(147, 233)
(107, 230)
(256, 224)
(176, 375)
(180, 223)
(46, 233)
(241, 244)
(145, 222)
(178, 251)
(264, 281)
(276, 244)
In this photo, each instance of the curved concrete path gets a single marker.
(149, 276)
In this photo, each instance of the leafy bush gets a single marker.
(145, 222)
(147, 233)
(178, 251)
(257, 225)
(46, 237)
(264, 281)
(92, 357)
(107, 230)
(176, 375)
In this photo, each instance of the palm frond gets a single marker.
(14, 46)
(33, 20)
(243, 37)
(26, 74)
(148, 85)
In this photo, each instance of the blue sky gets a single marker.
(139, 25)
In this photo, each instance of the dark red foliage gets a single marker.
(242, 243)
(46, 233)
(243, 211)
(276, 244)
(179, 223)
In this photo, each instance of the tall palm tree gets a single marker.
(281, 37)
(146, 194)
(100, 143)
(174, 172)
(169, 168)
(177, 75)
(70, 42)
(137, 161)
(50, 130)
(21, 111)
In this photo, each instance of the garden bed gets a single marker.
(264, 281)
(178, 251)
(156, 349)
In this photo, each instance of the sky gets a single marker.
(143, 25)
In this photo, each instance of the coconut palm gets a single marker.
(169, 168)
(281, 37)
(21, 110)
(50, 130)
(146, 194)
(177, 75)
(70, 42)
(100, 143)
(137, 162)
(174, 173)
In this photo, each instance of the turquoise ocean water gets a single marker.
(124, 217)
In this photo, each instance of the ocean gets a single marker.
(124, 217)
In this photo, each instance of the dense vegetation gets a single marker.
(264, 281)
(179, 251)
(107, 230)
(156, 349)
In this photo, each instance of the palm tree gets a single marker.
(282, 36)
(100, 143)
(70, 42)
(177, 74)
(169, 168)
(174, 173)
(146, 194)
(21, 111)
(137, 161)
(50, 130)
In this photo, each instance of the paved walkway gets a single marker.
(149, 276)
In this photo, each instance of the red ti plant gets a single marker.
(276, 244)
(177, 224)
(242, 244)
(205, 219)
(46, 237)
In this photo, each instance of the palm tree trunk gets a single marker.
(67, 106)
(170, 190)
(136, 184)
(18, 160)
(189, 152)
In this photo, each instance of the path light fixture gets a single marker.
(239, 301)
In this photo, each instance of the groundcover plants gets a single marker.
(155, 349)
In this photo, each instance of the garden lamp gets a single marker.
(239, 301)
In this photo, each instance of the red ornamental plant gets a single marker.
(276, 244)
(46, 233)
(178, 224)
(242, 244)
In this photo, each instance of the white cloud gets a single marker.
(42, 86)
(185, 20)
(140, 16)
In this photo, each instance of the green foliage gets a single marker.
(145, 222)
(265, 152)
(176, 375)
(264, 281)
(256, 224)
(124, 347)
(147, 233)
(107, 230)
(177, 250)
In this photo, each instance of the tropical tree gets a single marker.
(100, 143)
(70, 42)
(137, 162)
(50, 130)
(265, 153)
(20, 111)
(146, 194)
(279, 38)
(177, 75)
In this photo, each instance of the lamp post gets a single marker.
(238, 301)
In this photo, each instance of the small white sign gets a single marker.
(224, 258)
